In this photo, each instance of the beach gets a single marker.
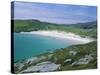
(62, 35)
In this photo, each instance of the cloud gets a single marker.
(56, 13)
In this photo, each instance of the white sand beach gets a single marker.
(63, 35)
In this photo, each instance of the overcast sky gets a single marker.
(55, 13)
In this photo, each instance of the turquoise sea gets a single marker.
(28, 45)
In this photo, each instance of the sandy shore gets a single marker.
(60, 34)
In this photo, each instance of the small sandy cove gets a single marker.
(61, 34)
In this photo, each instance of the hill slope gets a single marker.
(72, 58)
(83, 29)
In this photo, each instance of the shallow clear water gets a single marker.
(28, 45)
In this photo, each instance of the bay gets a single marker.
(29, 45)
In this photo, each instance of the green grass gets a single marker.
(84, 29)
(85, 49)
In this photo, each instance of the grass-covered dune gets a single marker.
(82, 29)
(74, 57)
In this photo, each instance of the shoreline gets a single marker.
(62, 35)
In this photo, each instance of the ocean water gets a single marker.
(29, 45)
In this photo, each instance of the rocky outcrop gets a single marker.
(46, 66)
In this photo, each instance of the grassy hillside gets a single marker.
(72, 58)
(83, 29)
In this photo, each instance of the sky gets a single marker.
(55, 13)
